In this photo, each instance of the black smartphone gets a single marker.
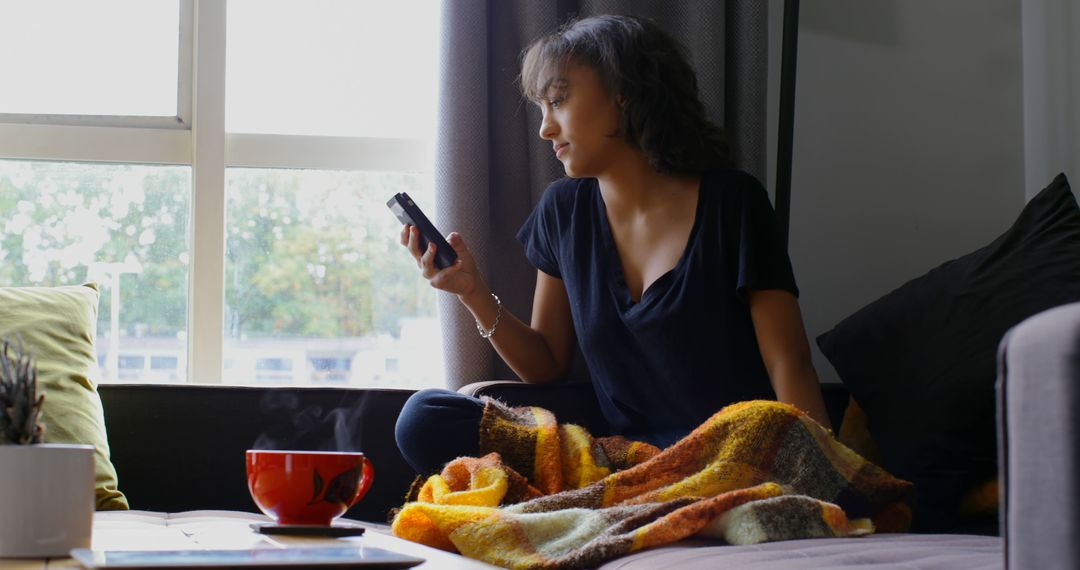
(409, 213)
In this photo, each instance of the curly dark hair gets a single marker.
(647, 73)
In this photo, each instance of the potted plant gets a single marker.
(46, 489)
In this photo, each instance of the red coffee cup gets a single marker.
(307, 487)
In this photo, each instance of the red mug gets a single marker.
(307, 487)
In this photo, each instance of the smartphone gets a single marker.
(409, 213)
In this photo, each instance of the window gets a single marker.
(163, 362)
(122, 226)
(275, 364)
(164, 368)
(72, 57)
(310, 258)
(331, 369)
(276, 370)
(331, 364)
(132, 362)
(327, 109)
(332, 68)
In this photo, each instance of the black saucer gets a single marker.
(336, 529)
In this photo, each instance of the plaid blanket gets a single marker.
(551, 496)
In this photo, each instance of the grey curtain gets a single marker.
(491, 166)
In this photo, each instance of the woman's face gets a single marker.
(581, 121)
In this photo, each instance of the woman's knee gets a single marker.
(421, 410)
(437, 425)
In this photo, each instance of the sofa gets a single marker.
(181, 447)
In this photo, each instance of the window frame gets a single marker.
(180, 121)
(196, 137)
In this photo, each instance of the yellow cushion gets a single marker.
(57, 326)
(855, 434)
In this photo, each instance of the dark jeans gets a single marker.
(437, 426)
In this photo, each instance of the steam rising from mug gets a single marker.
(310, 428)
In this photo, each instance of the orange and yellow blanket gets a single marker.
(551, 496)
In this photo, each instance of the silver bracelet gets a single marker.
(498, 315)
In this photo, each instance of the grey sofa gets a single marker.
(181, 447)
(1039, 440)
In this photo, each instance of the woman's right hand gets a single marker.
(537, 353)
(461, 278)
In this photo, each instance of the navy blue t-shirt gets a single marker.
(663, 365)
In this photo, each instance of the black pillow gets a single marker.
(921, 361)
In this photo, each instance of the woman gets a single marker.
(659, 259)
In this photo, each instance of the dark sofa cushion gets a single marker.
(181, 447)
(921, 360)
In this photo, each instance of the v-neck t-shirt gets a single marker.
(663, 365)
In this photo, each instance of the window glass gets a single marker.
(274, 369)
(332, 370)
(75, 57)
(121, 226)
(279, 364)
(131, 362)
(163, 362)
(332, 67)
(314, 273)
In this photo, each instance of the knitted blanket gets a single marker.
(551, 496)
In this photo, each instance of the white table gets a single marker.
(205, 530)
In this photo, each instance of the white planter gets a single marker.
(46, 499)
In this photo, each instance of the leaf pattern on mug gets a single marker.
(343, 487)
(318, 484)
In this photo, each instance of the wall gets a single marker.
(908, 144)
(1051, 91)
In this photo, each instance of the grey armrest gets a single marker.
(1039, 416)
(478, 389)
